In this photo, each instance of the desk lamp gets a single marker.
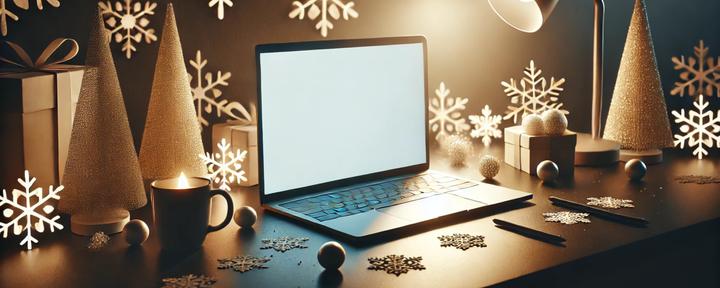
(528, 16)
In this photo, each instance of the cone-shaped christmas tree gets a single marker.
(102, 175)
(638, 117)
(171, 142)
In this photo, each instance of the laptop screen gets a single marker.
(336, 113)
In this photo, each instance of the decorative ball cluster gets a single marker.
(458, 148)
(552, 122)
(489, 166)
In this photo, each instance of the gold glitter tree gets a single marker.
(102, 175)
(638, 117)
(171, 142)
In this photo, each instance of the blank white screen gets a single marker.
(331, 114)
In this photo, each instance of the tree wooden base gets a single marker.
(89, 225)
(595, 152)
(647, 157)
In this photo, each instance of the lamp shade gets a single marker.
(525, 15)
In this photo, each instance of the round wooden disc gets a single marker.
(595, 152)
(89, 225)
(647, 157)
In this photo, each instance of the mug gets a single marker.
(182, 215)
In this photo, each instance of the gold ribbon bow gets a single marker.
(42, 62)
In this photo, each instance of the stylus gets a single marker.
(528, 231)
(597, 211)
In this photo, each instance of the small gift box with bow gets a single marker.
(525, 152)
(37, 107)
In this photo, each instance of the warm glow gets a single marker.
(182, 182)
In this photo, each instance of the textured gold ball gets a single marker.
(245, 216)
(331, 255)
(489, 166)
(555, 122)
(136, 232)
(458, 148)
(547, 171)
(533, 125)
(635, 169)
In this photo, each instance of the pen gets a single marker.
(597, 211)
(528, 231)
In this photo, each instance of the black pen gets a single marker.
(528, 231)
(598, 211)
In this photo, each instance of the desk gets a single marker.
(598, 254)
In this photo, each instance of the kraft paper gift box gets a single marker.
(243, 137)
(525, 152)
(36, 114)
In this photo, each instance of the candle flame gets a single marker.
(182, 181)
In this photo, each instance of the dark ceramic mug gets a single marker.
(182, 216)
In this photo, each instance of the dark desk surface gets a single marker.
(60, 259)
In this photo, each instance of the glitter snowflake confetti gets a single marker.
(201, 98)
(4, 13)
(190, 281)
(534, 95)
(697, 179)
(125, 20)
(243, 263)
(98, 241)
(700, 128)
(486, 126)
(567, 218)
(448, 117)
(28, 211)
(701, 75)
(394, 264)
(609, 202)
(283, 244)
(462, 241)
(228, 165)
(324, 24)
(221, 6)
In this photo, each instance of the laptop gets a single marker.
(343, 138)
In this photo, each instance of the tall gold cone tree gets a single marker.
(102, 175)
(171, 142)
(638, 117)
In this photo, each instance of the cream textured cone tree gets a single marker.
(638, 117)
(102, 175)
(171, 142)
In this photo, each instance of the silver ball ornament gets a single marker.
(331, 255)
(458, 148)
(533, 125)
(245, 216)
(635, 169)
(547, 171)
(555, 122)
(489, 166)
(136, 232)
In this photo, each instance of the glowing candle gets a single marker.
(183, 182)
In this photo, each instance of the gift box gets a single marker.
(525, 152)
(243, 137)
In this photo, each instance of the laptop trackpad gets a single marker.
(431, 207)
(367, 223)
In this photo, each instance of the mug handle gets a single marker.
(230, 209)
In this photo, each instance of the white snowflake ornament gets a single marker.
(228, 165)
(447, 113)
(324, 24)
(701, 75)
(700, 128)
(205, 102)
(125, 20)
(21, 4)
(28, 211)
(566, 217)
(221, 7)
(486, 126)
(534, 95)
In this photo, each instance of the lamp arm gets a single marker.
(598, 67)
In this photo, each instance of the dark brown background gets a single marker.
(470, 48)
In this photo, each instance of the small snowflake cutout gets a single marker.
(205, 102)
(609, 202)
(21, 4)
(228, 165)
(189, 281)
(462, 241)
(396, 264)
(125, 20)
(447, 118)
(98, 241)
(28, 211)
(701, 75)
(700, 128)
(283, 244)
(534, 96)
(324, 24)
(221, 7)
(567, 218)
(243, 263)
(486, 126)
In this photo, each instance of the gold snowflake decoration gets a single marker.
(486, 126)
(448, 118)
(534, 95)
(225, 166)
(324, 24)
(462, 241)
(4, 13)
(243, 263)
(285, 243)
(567, 218)
(706, 78)
(700, 128)
(98, 241)
(221, 6)
(609, 202)
(129, 18)
(190, 281)
(396, 264)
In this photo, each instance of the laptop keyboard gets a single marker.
(358, 200)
